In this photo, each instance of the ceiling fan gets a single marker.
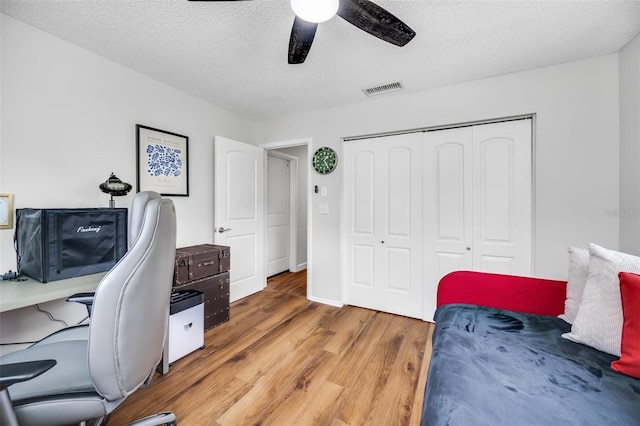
(364, 14)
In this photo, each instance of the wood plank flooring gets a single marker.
(283, 360)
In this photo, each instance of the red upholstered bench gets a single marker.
(510, 292)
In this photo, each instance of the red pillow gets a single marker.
(629, 362)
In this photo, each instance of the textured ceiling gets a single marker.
(234, 54)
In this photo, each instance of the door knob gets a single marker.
(468, 248)
(221, 230)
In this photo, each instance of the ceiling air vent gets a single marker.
(383, 88)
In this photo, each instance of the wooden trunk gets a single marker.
(216, 297)
(205, 267)
(200, 261)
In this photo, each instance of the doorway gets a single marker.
(281, 218)
(287, 249)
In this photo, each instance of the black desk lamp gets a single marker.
(115, 187)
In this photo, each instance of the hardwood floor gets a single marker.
(283, 360)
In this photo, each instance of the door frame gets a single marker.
(288, 144)
(293, 203)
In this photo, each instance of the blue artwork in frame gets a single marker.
(162, 161)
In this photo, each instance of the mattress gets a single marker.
(497, 367)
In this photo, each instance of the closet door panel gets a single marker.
(447, 208)
(502, 197)
(383, 217)
(495, 184)
(362, 221)
(477, 202)
(363, 265)
(450, 191)
(497, 264)
(399, 186)
(363, 207)
(399, 269)
(449, 262)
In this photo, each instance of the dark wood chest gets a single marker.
(205, 268)
(203, 260)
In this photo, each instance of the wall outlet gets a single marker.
(324, 208)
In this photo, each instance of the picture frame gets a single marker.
(6, 211)
(162, 161)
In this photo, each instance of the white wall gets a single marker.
(630, 147)
(68, 119)
(576, 153)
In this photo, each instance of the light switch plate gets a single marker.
(324, 208)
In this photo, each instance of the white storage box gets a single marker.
(186, 324)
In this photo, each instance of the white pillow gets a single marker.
(578, 272)
(599, 320)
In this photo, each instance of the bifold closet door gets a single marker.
(448, 208)
(477, 202)
(502, 197)
(383, 224)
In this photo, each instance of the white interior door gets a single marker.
(502, 219)
(239, 213)
(447, 208)
(477, 202)
(383, 224)
(278, 203)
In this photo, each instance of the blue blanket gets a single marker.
(496, 367)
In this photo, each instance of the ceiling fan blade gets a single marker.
(302, 34)
(376, 21)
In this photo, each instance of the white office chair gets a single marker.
(136, 216)
(83, 373)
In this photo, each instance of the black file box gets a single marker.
(55, 244)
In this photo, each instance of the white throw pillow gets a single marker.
(578, 272)
(599, 320)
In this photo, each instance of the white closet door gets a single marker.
(383, 224)
(447, 208)
(502, 197)
(477, 202)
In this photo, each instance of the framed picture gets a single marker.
(6, 211)
(162, 161)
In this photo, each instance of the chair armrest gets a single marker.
(84, 298)
(22, 371)
(514, 293)
(15, 373)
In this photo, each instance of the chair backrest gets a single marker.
(136, 213)
(131, 306)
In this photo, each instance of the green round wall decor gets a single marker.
(325, 160)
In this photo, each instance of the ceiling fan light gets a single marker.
(315, 10)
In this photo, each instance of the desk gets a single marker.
(18, 294)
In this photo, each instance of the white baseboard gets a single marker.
(300, 267)
(327, 302)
